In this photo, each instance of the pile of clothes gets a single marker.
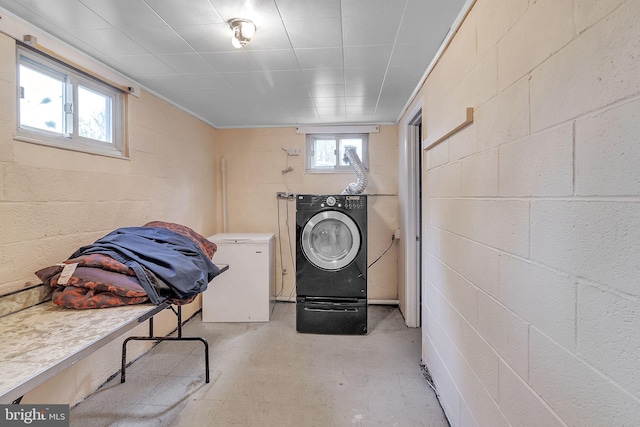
(158, 262)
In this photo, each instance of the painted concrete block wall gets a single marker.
(53, 201)
(532, 292)
(255, 159)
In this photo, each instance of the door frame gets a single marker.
(410, 244)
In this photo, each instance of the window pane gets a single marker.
(351, 142)
(94, 115)
(324, 153)
(41, 100)
(62, 107)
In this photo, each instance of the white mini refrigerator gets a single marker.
(246, 292)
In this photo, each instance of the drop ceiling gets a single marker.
(311, 62)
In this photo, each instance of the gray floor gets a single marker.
(266, 374)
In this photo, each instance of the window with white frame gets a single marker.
(326, 152)
(61, 106)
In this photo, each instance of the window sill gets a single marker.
(96, 151)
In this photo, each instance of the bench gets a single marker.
(42, 340)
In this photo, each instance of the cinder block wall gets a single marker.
(53, 201)
(532, 291)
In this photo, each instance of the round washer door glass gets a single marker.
(330, 240)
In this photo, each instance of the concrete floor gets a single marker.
(267, 374)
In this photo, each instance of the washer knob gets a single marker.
(331, 200)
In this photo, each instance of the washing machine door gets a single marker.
(330, 240)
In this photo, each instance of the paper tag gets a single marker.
(67, 272)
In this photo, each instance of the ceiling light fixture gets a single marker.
(243, 30)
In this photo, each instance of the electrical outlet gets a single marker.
(293, 151)
(282, 195)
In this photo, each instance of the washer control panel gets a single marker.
(355, 202)
(339, 201)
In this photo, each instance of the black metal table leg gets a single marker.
(151, 337)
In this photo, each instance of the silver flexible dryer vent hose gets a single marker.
(358, 187)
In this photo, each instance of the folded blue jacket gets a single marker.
(167, 264)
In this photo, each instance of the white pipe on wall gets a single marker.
(223, 171)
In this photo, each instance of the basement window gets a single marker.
(326, 152)
(63, 107)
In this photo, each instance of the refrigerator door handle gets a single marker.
(239, 241)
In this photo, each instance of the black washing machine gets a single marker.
(331, 264)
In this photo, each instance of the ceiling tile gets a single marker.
(292, 91)
(264, 101)
(224, 99)
(109, 41)
(401, 93)
(326, 91)
(397, 77)
(364, 119)
(309, 9)
(361, 110)
(415, 55)
(391, 102)
(367, 56)
(313, 59)
(388, 114)
(257, 11)
(208, 80)
(229, 62)
(298, 103)
(67, 14)
(337, 101)
(170, 82)
(144, 64)
(187, 63)
(318, 32)
(305, 116)
(362, 90)
(124, 13)
(332, 114)
(324, 76)
(196, 12)
(428, 21)
(368, 76)
(29, 16)
(248, 82)
(360, 101)
(385, 118)
(252, 92)
(284, 78)
(158, 39)
(207, 37)
(365, 8)
(375, 30)
(280, 59)
(269, 35)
